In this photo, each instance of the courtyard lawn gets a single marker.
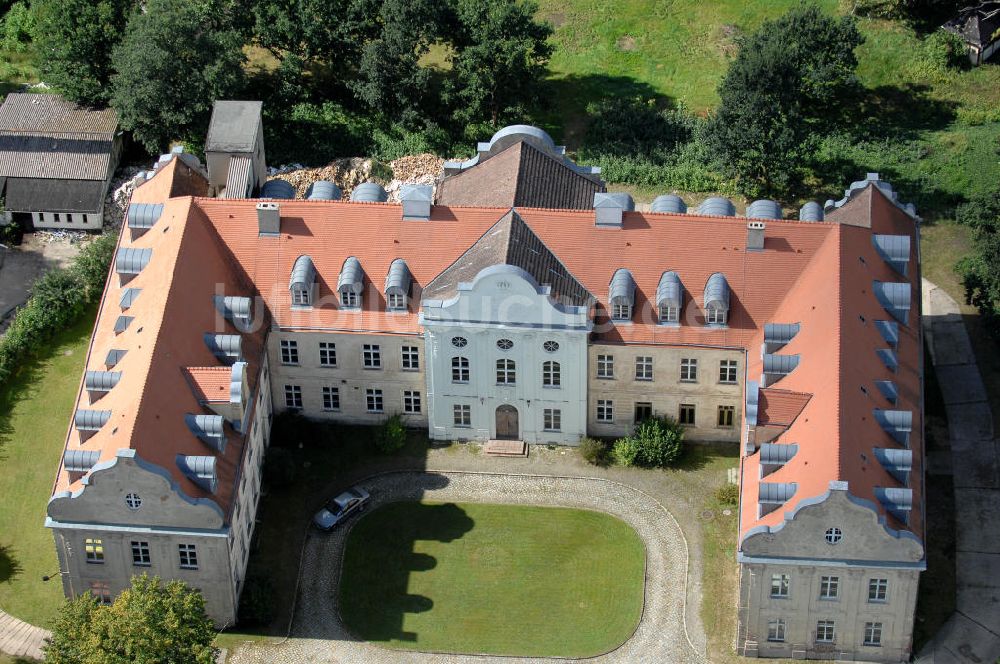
(497, 579)
(34, 415)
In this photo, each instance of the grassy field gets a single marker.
(500, 579)
(34, 413)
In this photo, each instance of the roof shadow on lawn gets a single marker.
(380, 558)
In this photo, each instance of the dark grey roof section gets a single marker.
(80, 461)
(200, 470)
(303, 274)
(752, 402)
(142, 216)
(669, 204)
(416, 201)
(128, 297)
(24, 194)
(717, 206)
(894, 250)
(122, 323)
(510, 241)
(209, 429)
(717, 292)
(351, 277)
(113, 357)
(279, 189)
(91, 420)
(131, 260)
(896, 423)
(764, 209)
(978, 24)
(889, 329)
(399, 278)
(883, 186)
(235, 309)
(227, 348)
(894, 298)
(101, 381)
(323, 190)
(772, 495)
(369, 192)
(897, 463)
(621, 290)
(888, 389)
(898, 502)
(811, 211)
(777, 335)
(669, 292)
(234, 126)
(888, 357)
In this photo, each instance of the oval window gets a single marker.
(505, 344)
(459, 342)
(133, 501)
(834, 535)
(551, 346)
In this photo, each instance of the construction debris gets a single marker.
(349, 173)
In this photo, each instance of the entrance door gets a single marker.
(643, 411)
(507, 427)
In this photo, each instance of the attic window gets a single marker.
(669, 294)
(397, 286)
(303, 282)
(349, 283)
(621, 295)
(716, 300)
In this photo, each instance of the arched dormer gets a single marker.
(621, 295)
(303, 282)
(397, 286)
(717, 300)
(350, 284)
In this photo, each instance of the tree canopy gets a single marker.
(175, 60)
(149, 623)
(981, 269)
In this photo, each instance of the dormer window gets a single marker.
(348, 299)
(621, 295)
(669, 314)
(303, 282)
(397, 286)
(621, 312)
(349, 284)
(396, 302)
(715, 316)
(300, 297)
(717, 300)
(669, 296)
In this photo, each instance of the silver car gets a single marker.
(339, 508)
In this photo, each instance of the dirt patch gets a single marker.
(557, 19)
(627, 43)
(729, 37)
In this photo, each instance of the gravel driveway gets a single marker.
(318, 636)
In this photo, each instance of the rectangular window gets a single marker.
(644, 368)
(140, 554)
(715, 316)
(825, 631)
(689, 370)
(348, 299)
(396, 302)
(726, 416)
(727, 371)
(300, 297)
(101, 590)
(411, 358)
(327, 354)
(188, 556)
(776, 630)
(411, 401)
(605, 410)
(331, 398)
(506, 375)
(293, 396)
(371, 356)
(780, 584)
(552, 419)
(374, 400)
(605, 366)
(643, 411)
(685, 414)
(829, 587)
(878, 590)
(669, 314)
(94, 549)
(289, 351)
(621, 312)
(873, 634)
(551, 374)
(463, 415)
(460, 370)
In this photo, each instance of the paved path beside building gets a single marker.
(972, 634)
(319, 637)
(20, 639)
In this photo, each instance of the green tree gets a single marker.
(149, 623)
(981, 269)
(790, 80)
(331, 32)
(75, 39)
(500, 59)
(176, 59)
(660, 442)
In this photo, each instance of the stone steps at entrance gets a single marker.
(506, 448)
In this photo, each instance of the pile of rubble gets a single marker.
(414, 169)
(72, 237)
(119, 194)
(349, 173)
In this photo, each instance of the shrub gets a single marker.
(594, 451)
(625, 452)
(279, 468)
(660, 441)
(256, 602)
(728, 494)
(391, 435)
(18, 27)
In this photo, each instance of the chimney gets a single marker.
(755, 236)
(268, 218)
(416, 200)
(609, 208)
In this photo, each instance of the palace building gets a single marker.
(797, 340)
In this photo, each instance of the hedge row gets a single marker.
(58, 298)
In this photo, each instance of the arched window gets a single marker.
(505, 372)
(459, 369)
(551, 374)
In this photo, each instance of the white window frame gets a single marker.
(301, 297)
(552, 419)
(826, 631)
(293, 397)
(551, 374)
(605, 410)
(349, 299)
(395, 302)
(374, 400)
(462, 415)
(371, 356)
(781, 585)
(716, 315)
(621, 312)
(644, 367)
(606, 366)
(187, 556)
(506, 372)
(829, 587)
(689, 370)
(411, 402)
(776, 630)
(878, 591)
(327, 354)
(873, 634)
(460, 369)
(728, 372)
(289, 352)
(331, 398)
(410, 357)
(669, 313)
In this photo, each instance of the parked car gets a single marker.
(340, 507)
